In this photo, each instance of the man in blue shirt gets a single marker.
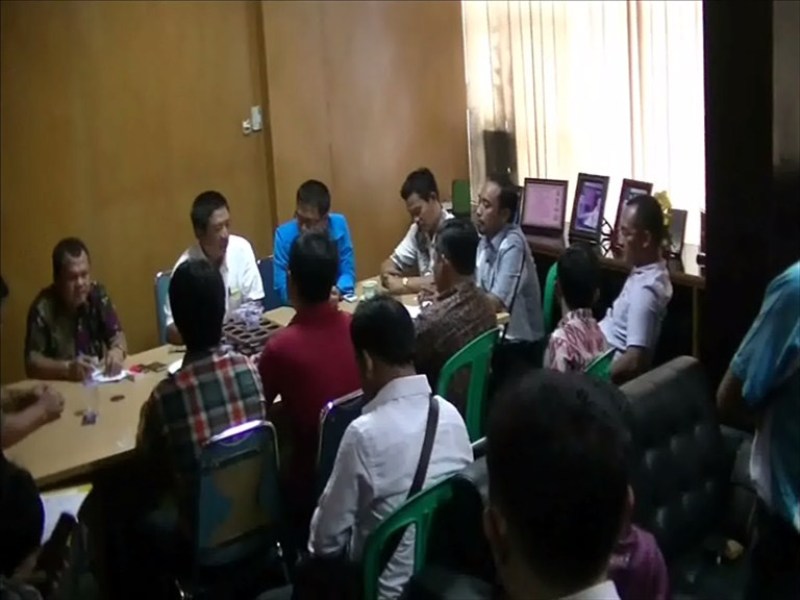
(764, 380)
(311, 214)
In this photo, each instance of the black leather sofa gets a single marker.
(689, 476)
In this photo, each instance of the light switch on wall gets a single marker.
(255, 118)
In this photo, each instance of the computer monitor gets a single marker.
(544, 202)
(677, 230)
(630, 189)
(587, 207)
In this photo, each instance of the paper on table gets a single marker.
(99, 377)
(412, 310)
(174, 366)
(61, 501)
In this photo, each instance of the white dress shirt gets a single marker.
(601, 591)
(374, 469)
(239, 272)
(416, 248)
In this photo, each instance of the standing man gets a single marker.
(506, 271)
(764, 380)
(230, 254)
(410, 267)
(72, 324)
(312, 214)
(633, 323)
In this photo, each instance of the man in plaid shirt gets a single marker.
(212, 391)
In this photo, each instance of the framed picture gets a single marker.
(544, 202)
(677, 230)
(588, 207)
(630, 189)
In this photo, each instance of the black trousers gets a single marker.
(774, 559)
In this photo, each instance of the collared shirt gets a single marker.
(239, 272)
(374, 469)
(287, 233)
(768, 364)
(501, 261)
(309, 363)
(455, 318)
(211, 392)
(600, 591)
(576, 341)
(634, 320)
(415, 250)
(55, 333)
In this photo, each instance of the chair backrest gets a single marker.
(334, 418)
(600, 367)
(161, 293)
(265, 268)
(238, 510)
(462, 206)
(549, 299)
(477, 355)
(418, 512)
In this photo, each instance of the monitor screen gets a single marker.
(677, 230)
(630, 189)
(544, 203)
(591, 200)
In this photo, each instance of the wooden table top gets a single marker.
(66, 449)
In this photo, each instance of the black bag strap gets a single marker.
(419, 475)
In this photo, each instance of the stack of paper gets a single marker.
(68, 501)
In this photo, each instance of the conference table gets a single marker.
(67, 451)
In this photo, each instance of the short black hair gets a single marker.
(204, 206)
(649, 216)
(509, 194)
(22, 524)
(197, 300)
(558, 462)
(315, 194)
(457, 241)
(314, 266)
(383, 328)
(3, 289)
(422, 183)
(579, 275)
(70, 247)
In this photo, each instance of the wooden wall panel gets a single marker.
(360, 94)
(114, 116)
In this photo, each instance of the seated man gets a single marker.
(633, 323)
(310, 362)
(577, 339)
(212, 391)
(763, 381)
(312, 214)
(72, 325)
(380, 450)
(23, 411)
(459, 313)
(410, 268)
(558, 487)
(230, 254)
(505, 270)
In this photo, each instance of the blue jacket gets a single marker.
(286, 234)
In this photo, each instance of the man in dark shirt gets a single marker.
(460, 311)
(72, 324)
(310, 362)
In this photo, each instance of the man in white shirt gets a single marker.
(410, 267)
(558, 486)
(231, 254)
(380, 450)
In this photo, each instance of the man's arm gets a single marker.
(252, 286)
(269, 370)
(347, 489)
(346, 283)
(34, 409)
(403, 263)
(630, 364)
(641, 337)
(509, 266)
(40, 366)
(173, 335)
(280, 265)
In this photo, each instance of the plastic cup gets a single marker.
(370, 289)
(92, 401)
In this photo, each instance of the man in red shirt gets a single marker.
(309, 363)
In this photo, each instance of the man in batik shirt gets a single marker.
(73, 328)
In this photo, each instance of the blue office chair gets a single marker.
(162, 291)
(333, 421)
(238, 511)
(271, 299)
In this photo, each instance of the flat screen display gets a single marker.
(591, 201)
(544, 203)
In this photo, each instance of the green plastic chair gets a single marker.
(549, 300)
(461, 198)
(417, 511)
(600, 367)
(477, 355)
